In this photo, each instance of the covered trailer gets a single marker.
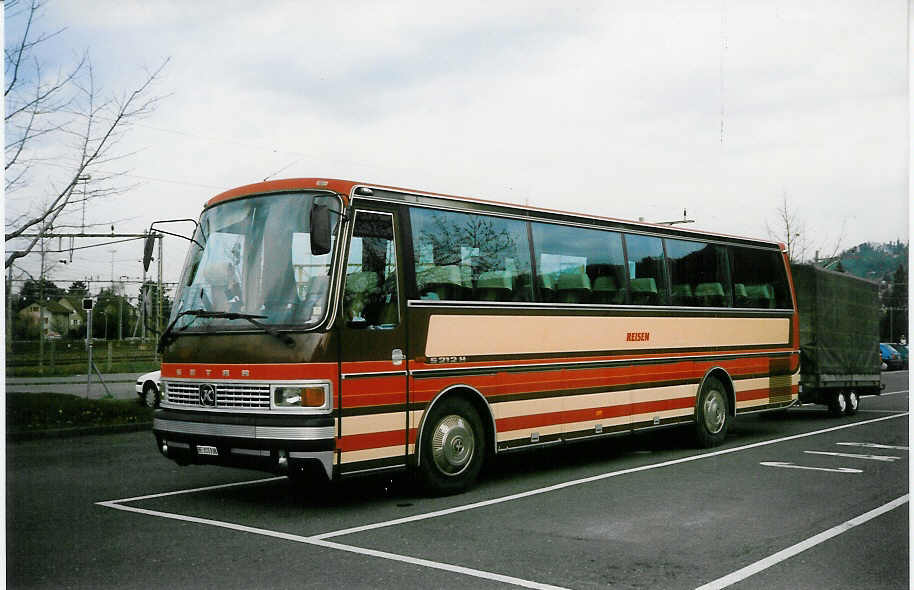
(839, 337)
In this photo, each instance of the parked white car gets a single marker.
(149, 389)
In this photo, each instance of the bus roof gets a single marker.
(347, 189)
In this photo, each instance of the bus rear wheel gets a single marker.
(452, 447)
(712, 414)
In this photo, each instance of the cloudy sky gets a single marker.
(624, 109)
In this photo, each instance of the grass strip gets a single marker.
(29, 412)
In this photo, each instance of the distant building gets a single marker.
(53, 318)
(74, 303)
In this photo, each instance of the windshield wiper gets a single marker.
(169, 336)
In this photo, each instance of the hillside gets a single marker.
(874, 261)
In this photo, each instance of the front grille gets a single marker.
(228, 395)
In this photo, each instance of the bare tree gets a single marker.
(790, 229)
(61, 132)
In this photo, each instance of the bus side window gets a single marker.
(759, 279)
(646, 270)
(470, 257)
(370, 293)
(578, 265)
(699, 273)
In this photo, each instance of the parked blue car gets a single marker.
(890, 356)
(903, 353)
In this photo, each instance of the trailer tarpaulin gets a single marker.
(839, 323)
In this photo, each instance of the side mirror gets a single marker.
(320, 229)
(147, 251)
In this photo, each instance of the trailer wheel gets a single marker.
(837, 403)
(712, 414)
(851, 402)
(452, 447)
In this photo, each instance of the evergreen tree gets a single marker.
(31, 291)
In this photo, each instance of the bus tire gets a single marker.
(452, 448)
(851, 402)
(837, 403)
(712, 414)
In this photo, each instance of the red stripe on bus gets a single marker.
(374, 391)
(753, 394)
(372, 440)
(588, 414)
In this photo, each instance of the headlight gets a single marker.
(312, 395)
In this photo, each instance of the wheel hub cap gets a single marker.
(453, 444)
(715, 411)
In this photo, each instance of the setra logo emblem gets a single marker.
(208, 395)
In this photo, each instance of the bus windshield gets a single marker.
(256, 259)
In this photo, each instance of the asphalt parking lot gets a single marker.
(799, 501)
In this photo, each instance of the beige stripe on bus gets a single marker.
(459, 335)
(369, 454)
(372, 423)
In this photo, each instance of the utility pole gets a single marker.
(9, 311)
(160, 293)
(84, 179)
(41, 312)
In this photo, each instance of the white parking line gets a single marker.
(319, 540)
(885, 393)
(192, 490)
(787, 465)
(887, 458)
(602, 476)
(872, 446)
(785, 554)
(338, 546)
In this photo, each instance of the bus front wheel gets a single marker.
(712, 414)
(452, 447)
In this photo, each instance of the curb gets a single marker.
(73, 432)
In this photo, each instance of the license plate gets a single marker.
(206, 450)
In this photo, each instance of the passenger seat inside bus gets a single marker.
(682, 294)
(740, 297)
(546, 284)
(573, 287)
(440, 282)
(644, 291)
(606, 290)
(710, 295)
(495, 285)
(360, 286)
(760, 295)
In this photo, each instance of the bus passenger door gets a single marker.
(373, 384)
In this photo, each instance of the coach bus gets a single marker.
(358, 328)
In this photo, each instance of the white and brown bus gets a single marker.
(360, 328)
